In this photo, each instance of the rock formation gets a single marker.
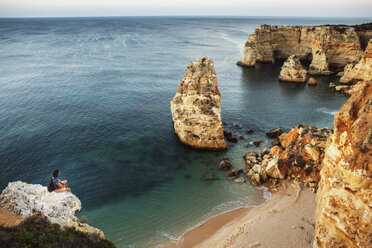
(326, 47)
(26, 199)
(312, 81)
(292, 71)
(343, 215)
(196, 109)
(299, 157)
(360, 71)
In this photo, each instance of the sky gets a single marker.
(68, 8)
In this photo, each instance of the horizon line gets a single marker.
(236, 16)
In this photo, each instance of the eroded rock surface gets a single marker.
(326, 47)
(196, 109)
(26, 199)
(361, 70)
(292, 71)
(299, 157)
(343, 215)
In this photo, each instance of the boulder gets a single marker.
(239, 180)
(275, 133)
(312, 81)
(342, 88)
(225, 164)
(332, 85)
(232, 174)
(274, 171)
(257, 143)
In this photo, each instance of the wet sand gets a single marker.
(286, 220)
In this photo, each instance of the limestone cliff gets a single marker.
(26, 199)
(344, 207)
(360, 71)
(292, 71)
(326, 47)
(196, 109)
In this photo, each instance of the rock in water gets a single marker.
(25, 199)
(196, 109)
(275, 133)
(312, 81)
(292, 71)
(360, 71)
(324, 46)
(343, 214)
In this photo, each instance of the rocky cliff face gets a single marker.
(26, 199)
(292, 71)
(196, 109)
(326, 47)
(344, 208)
(360, 71)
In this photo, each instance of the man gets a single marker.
(59, 186)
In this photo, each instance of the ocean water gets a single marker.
(90, 96)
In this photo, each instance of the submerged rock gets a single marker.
(225, 164)
(232, 174)
(229, 136)
(292, 71)
(196, 109)
(257, 142)
(26, 199)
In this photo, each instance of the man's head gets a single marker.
(56, 173)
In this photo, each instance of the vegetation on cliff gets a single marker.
(38, 231)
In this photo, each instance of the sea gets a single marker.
(90, 97)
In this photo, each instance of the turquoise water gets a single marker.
(90, 96)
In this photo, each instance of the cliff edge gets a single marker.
(327, 47)
(25, 199)
(343, 215)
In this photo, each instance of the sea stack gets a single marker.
(292, 71)
(343, 214)
(360, 71)
(196, 107)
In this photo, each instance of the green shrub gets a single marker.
(37, 231)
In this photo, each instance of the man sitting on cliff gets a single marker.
(56, 185)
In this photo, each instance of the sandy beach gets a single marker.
(286, 220)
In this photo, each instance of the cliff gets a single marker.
(326, 47)
(360, 71)
(26, 199)
(292, 71)
(196, 109)
(343, 215)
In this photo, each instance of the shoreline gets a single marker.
(288, 217)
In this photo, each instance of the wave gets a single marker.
(213, 214)
(326, 111)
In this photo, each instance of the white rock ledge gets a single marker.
(25, 199)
